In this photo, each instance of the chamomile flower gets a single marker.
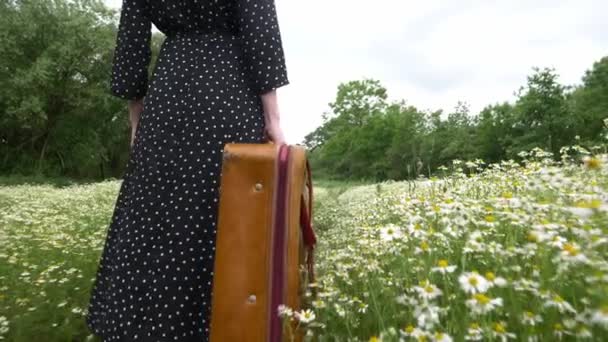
(443, 267)
(481, 304)
(530, 318)
(427, 291)
(473, 282)
(474, 333)
(499, 330)
(305, 316)
(558, 302)
(390, 232)
(600, 317)
(494, 280)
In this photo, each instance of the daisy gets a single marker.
(472, 282)
(442, 337)
(474, 333)
(305, 316)
(558, 302)
(499, 331)
(530, 318)
(494, 280)
(285, 311)
(443, 267)
(600, 317)
(427, 291)
(481, 304)
(390, 232)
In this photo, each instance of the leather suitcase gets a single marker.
(265, 241)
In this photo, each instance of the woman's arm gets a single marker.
(272, 117)
(135, 108)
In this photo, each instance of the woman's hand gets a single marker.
(272, 119)
(135, 108)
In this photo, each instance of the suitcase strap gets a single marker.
(306, 224)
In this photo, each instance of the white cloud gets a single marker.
(433, 53)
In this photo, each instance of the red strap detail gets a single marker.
(306, 223)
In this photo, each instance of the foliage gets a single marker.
(57, 117)
(366, 137)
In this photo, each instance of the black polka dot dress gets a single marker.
(155, 274)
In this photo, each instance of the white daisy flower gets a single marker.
(473, 282)
(305, 316)
(443, 267)
(481, 304)
(390, 232)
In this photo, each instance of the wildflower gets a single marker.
(414, 332)
(305, 316)
(481, 304)
(443, 267)
(571, 252)
(582, 332)
(529, 318)
(474, 333)
(375, 339)
(472, 282)
(427, 315)
(390, 232)
(558, 302)
(442, 337)
(494, 280)
(427, 291)
(285, 311)
(499, 331)
(600, 317)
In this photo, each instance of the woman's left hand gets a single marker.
(135, 108)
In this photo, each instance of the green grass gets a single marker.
(541, 227)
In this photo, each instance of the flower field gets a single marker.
(509, 251)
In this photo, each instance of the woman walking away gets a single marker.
(214, 82)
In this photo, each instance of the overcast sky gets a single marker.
(430, 53)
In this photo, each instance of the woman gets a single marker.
(214, 82)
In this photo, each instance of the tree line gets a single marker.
(365, 136)
(58, 118)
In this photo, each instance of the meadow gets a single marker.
(508, 251)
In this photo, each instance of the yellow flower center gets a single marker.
(474, 326)
(438, 336)
(417, 226)
(442, 263)
(571, 249)
(481, 298)
(409, 329)
(490, 276)
(374, 339)
(473, 280)
(424, 246)
(532, 237)
(429, 289)
(558, 327)
(558, 299)
(499, 328)
(490, 218)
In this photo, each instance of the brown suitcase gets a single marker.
(265, 242)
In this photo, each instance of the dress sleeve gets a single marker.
(132, 54)
(258, 28)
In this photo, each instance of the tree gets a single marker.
(542, 118)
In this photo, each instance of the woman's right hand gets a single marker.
(274, 132)
(272, 118)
